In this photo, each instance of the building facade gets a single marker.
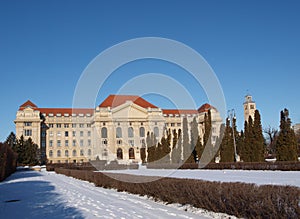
(249, 107)
(114, 130)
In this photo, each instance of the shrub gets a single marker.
(8, 161)
(239, 199)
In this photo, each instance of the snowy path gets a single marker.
(29, 194)
(259, 177)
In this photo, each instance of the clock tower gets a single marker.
(249, 107)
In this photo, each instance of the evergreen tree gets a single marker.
(199, 149)
(150, 147)
(11, 140)
(30, 153)
(258, 150)
(240, 142)
(247, 154)
(196, 145)
(177, 147)
(143, 154)
(286, 144)
(185, 140)
(227, 146)
(207, 128)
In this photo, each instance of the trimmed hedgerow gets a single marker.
(279, 165)
(8, 161)
(239, 199)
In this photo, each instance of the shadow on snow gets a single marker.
(32, 198)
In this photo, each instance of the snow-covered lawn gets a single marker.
(258, 177)
(31, 194)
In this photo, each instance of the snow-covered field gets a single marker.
(31, 194)
(258, 177)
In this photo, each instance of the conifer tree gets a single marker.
(177, 147)
(150, 147)
(11, 140)
(286, 144)
(207, 127)
(247, 154)
(258, 150)
(227, 146)
(185, 140)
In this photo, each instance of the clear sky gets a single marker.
(252, 46)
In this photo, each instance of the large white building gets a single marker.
(116, 129)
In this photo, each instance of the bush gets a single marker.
(8, 161)
(279, 165)
(239, 199)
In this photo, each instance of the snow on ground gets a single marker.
(32, 194)
(259, 177)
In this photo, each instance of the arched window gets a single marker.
(130, 132)
(119, 132)
(142, 132)
(50, 153)
(74, 153)
(66, 153)
(131, 153)
(58, 153)
(89, 152)
(120, 154)
(156, 132)
(81, 152)
(104, 132)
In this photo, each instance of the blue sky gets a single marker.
(251, 45)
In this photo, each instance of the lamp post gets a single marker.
(231, 117)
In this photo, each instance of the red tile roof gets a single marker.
(179, 111)
(63, 111)
(205, 107)
(117, 100)
(28, 103)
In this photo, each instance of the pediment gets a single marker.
(129, 110)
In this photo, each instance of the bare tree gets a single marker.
(272, 135)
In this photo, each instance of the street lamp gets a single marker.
(231, 117)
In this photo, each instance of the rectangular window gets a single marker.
(28, 132)
(81, 143)
(73, 125)
(88, 125)
(81, 133)
(66, 134)
(51, 143)
(58, 133)
(131, 142)
(73, 133)
(214, 130)
(51, 125)
(27, 123)
(50, 133)
(81, 125)
(66, 143)
(172, 124)
(89, 133)
(58, 143)
(251, 106)
(58, 125)
(66, 125)
(43, 144)
(43, 134)
(178, 124)
(89, 142)
(74, 143)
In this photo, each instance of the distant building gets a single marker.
(116, 129)
(249, 107)
(296, 127)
